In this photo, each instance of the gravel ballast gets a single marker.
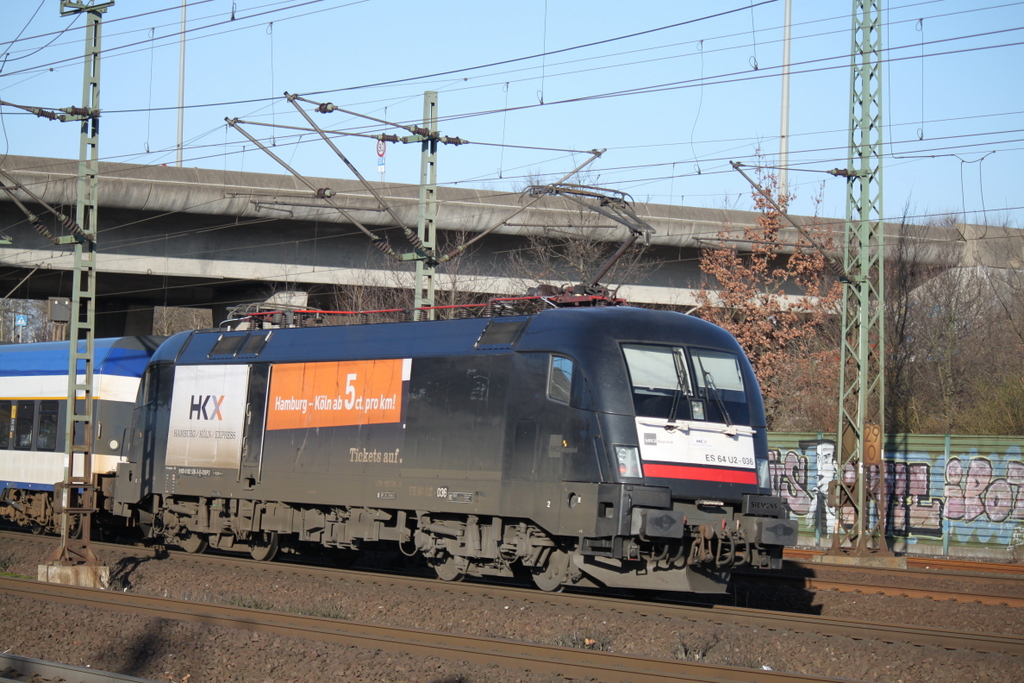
(168, 650)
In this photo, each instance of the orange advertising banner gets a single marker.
(337, 394)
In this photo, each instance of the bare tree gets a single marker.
(911, 261)
(168, 320)
(575, 252)
(782, 309)
(956, 355)
(389, 294)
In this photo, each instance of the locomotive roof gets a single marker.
(572, 331)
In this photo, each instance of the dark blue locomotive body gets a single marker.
(609, 446)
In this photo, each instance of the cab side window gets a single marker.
(560, 371)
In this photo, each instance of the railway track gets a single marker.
(924, 592)
(1000, 584)
(567, 662)
(860, 630)
(910, 583)
(14, 668)
(667, 608)
(798, 556)
(916, 581)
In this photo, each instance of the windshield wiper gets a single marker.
(680, 375)
(709, 383)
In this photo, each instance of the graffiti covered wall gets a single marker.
(955, 491)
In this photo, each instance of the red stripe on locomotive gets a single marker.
(663, 471)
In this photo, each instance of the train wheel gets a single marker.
(36, 528)
(263, 547)
(446, 568)
(192, 542)
(555, 572)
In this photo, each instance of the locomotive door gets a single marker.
(250, 467)
(540, 439)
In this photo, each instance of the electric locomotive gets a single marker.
(601, 446)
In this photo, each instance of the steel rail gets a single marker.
(39, 670)
(568, 662)
(890, 590)
(977, 566)
(819, 558)
(828, 626)
(917, 568)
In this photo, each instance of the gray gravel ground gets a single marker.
(167, 650)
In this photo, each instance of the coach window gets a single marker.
(46, 438)
(560, 378)
(24, 420)
(5, 424)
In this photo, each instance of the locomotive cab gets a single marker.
(682, 492)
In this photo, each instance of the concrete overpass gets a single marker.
(204, 238)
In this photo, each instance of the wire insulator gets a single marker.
(324, 193)
(71, 225)
(45, 114)
(325, 108)
(42, 229)
(384, 246)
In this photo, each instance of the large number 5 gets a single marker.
(350, 391)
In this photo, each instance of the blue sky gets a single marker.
(669, 89)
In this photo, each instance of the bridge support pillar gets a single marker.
(120, 319)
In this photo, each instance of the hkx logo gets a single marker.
(206, 408)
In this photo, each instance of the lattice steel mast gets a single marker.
(859, 489)
(426, 224)
(78, 451)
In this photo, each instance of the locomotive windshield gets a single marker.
(663, 386)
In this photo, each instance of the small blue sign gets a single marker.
(21, 321)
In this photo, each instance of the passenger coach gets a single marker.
(33, 407)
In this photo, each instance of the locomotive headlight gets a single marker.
(764, 477)
(629, 461)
